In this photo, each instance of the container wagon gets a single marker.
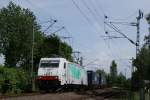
(95, 80)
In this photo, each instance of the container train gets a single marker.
(54, 73)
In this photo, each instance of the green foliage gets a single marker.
(113, 79)
(52, 45)
(101, 72)
(135, 81)
(16, 28)
(113, 71)
(16, 36)
(13, 80)
(142, 62)
(148, 18)
(121, 79)
(66, 51)
(108, 80)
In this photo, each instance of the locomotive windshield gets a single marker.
(51, 64)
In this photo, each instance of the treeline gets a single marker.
(17, 27)
(115, 79)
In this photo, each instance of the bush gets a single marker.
(14, 80)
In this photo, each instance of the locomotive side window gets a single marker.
(64, 65)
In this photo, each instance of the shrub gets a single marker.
(14, 80)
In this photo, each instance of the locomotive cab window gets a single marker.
(49, 64)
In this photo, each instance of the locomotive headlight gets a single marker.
(40, 77)
(56, 77)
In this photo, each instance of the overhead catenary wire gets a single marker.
(122, 23)
(101, 7)
(125, 18)
(69, 35)
(86, 19)
(76, 5)
(51, 24)
(57, 30)
(95, 17)
(95, 10)
(51, 21)
(82, 13)
(117, 30)
(94, 14)
(111, 25)
(105, 27)
(104, 24)
(116, 56)
(124, 36)
(109, 48)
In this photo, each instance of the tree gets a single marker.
(121, 79)
(52, 45)
(113, 71)
(142, 63)
(16, 38)
(100, 72)
(16, 28)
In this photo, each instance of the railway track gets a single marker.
(106, 93)
(4, 96)
(103, 93)
(58, 91)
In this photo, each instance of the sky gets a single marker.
(84, 21)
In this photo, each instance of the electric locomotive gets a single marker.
(54, 73)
